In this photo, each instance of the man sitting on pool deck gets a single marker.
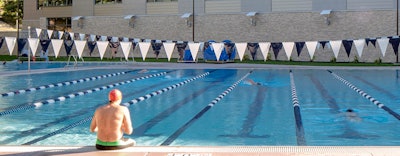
(111, 122)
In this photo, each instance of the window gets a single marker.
(59, 24)
(53, 3)
(107, 1)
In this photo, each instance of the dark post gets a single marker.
(193, 20)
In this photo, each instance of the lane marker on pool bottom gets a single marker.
(73, 95)
(89, 118)
(178, 132)
(365, 95)
(59, 84)
(301, 141)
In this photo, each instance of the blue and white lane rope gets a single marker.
(73, 95)
(178, 132)
(89, 118)
(66, 83)
(365, 95)
(301, 141)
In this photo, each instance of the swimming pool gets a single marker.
(206, 107)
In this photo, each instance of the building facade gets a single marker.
(236, 20)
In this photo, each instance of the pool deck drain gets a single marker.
(206, 150)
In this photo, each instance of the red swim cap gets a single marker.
(115, 95)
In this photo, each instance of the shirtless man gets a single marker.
(111, 122)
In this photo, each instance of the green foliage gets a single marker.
(11, 11)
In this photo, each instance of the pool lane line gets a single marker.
(178, 132)
(391, 95)
(89, 118)
(254, 111)
(365, 95)
(69, 116)
(334, 108)
(301, 141)
(65, 83)
(73, 95)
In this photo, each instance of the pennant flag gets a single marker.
(241, 48)
(102, 46)
(336, 47)
(45, 44)
(144, 48)
(288, 46)
(372, 40)
(21, 43)
(114, 39)
(276, 47)
(217, 49)
(299, 47)
(60, 34)
(93, 37)
(72, 35)
(80, 45)
(323, 43)
(126, 48)
(194, 49)
(38, 32)
(57, 43)
(311, 46)
(383, 43)
(91, 46)
(125, 39)
(82, 36)
(253, 47)
(264, 47)
(68, 46)
(347, 46)
(49, 33)
(1, 41)
(33, 44)
(10, 41)
(103, 38)
(394, 41)
(359, 46)
(169, 48)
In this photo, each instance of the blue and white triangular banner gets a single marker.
(49, 33)
(264, 47)
(103, 38)
(80, 45)
(102, 46)
(311, 46)
(82, 36)
(336, 47)
(38, 32)
(92, 37)
(169, 48)
(288, 46)
(126, 48)
(194, 49)
(10, 41)
(144, 49)
(217, 49)
(33, 44)
(383, 44)
(241, 48)
(60, 34)
(56, 43)
(359, 46)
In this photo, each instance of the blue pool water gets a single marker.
(206, 107)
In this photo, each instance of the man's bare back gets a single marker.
(112, 120)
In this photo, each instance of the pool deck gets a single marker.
(199, 150)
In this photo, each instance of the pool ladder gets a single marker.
(75, 64)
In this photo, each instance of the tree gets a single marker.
(10, 10)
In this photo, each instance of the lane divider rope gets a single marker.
(301, 141)
(73, 95)
(65, 83)
(178, 132)
(89, 118)
(366, 95)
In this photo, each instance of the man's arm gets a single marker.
(93, 125)
(127, 123)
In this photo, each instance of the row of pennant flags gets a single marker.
(68, 39)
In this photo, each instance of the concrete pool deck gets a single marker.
(200, 150)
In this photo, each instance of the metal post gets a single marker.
(29, 52)
(193, 20)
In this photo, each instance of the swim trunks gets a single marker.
(120, 144)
